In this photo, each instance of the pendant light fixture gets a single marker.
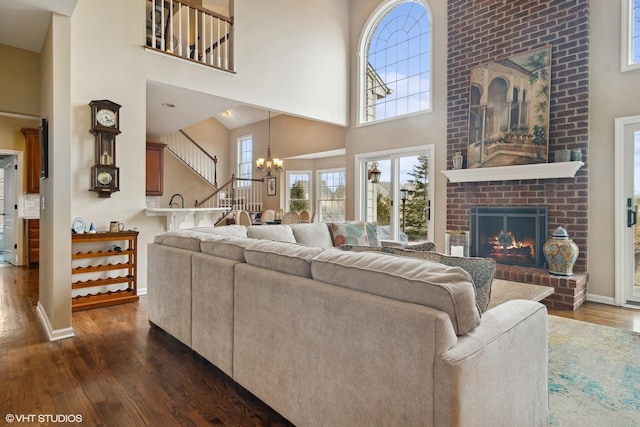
(269, 164)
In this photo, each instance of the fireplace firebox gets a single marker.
(509, 235)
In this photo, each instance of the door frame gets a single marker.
(18, 232)
(361, 176)
(623, 257)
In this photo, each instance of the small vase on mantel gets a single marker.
(457, 160)
(561, 253)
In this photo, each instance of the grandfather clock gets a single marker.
(105, 126)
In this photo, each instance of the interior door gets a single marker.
(10, 252)
(627, 274)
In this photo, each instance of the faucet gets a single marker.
(171, 202)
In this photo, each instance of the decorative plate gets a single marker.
(79, 226)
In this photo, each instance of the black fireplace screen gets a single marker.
(509, 235)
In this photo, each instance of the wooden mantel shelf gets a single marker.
(507, 173)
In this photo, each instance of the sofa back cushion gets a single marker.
(225, 246)
(481, 270)
(278, 233)
(234, 230)
(444, 288)
(183, 239)
(312, 234)
(283, 257)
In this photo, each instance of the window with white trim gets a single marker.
(331, 195)
(396, 61)
(630, 35)
(245, 159)
(299, 185)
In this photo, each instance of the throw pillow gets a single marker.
(348, 233)
(481, 270)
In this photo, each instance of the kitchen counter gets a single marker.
(180, 218)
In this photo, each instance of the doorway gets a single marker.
(627, 261)
(401, 202)
(10, 212)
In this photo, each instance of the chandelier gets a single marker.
(269, 164)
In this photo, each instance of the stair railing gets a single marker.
(190, 32)
(237, 194)
(193, 155)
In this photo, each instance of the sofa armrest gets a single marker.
(497, 373)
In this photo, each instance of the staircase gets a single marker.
(237, 194)
(193, 155)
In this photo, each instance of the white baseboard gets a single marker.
(142, 291)
(53, 335)
(601, 299)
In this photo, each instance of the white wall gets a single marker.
(55, 193)
(612, 94)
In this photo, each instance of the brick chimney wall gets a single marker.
(481, 31)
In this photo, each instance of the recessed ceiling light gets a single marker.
(168, 105)
(225, 113)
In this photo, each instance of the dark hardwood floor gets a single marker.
(119, 371)
(116, 371)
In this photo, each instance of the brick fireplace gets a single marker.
(480, 32)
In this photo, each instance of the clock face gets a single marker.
(104, 178)
(106, 118)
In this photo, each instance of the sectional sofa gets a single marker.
(328, 337)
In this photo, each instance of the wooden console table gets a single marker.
(123, 261)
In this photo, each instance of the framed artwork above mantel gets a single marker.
(509, 111)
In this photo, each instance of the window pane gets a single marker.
(299, 191)
(635, 33)
(331, 196)
(245, 159)
(398, 48)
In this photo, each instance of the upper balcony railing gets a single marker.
(179, 29)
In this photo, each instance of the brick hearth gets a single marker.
(570, 291)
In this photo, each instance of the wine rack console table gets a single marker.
(94, 257)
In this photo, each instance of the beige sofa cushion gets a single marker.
(234, 230)
(225, 246)
(278, 233)
(283, 257)
(313, 234)
(481, 270)
(427, 283)
(183, 239)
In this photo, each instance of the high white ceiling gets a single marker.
(24, 25)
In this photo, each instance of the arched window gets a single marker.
(395, 61)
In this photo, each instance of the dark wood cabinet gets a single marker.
(32, 234)
(155, 168)
(32, 154)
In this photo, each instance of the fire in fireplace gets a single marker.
(509, 235)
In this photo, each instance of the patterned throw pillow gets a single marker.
(348, 233)
(481, 270)
(372, 233)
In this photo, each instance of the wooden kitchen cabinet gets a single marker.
(155, 168)
(32, 154)
(32, 232)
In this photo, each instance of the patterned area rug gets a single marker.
(594, 375)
